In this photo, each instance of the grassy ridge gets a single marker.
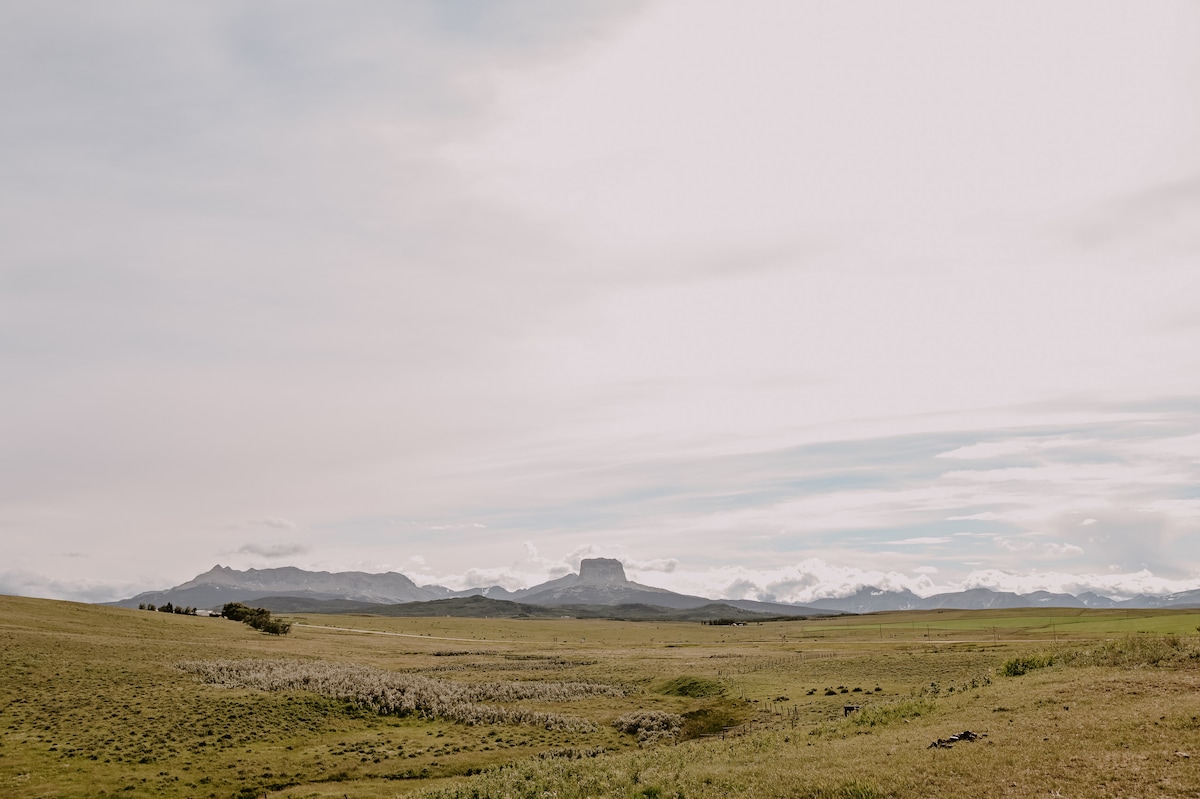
(92, 700)
(479, 607)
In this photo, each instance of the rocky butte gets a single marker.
(600, 581)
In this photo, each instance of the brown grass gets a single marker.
(91, 701)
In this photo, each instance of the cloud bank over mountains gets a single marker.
(780, 303)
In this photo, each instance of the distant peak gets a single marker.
(601, 571)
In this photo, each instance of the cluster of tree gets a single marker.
(168, 608)
(744, 622)
(258, 618)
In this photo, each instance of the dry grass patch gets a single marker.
(1138, 650)
(90, 701)
(650, 726)
(391, 693)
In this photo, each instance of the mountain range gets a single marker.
(600, 583)
(873, 600)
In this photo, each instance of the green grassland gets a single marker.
(98, 701)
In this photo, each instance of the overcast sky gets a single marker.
(769, 300)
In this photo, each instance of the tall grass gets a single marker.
(1024, 664)
(747, 768)
(392, 693)
(695, 687)
(1129, 652)
(1139, 650)
(650, 726)
(878, 715)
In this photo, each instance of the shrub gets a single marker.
(650, 726)
(391, 693)
(270, 625)
(235, 611)
(258, 618)
(1135, 651)
(695, 687)
(707, 721)
(881, 714)
(1026, 663)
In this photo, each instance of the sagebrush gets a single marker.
(387, 692)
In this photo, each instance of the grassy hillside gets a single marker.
(105, 701)
(478, 607)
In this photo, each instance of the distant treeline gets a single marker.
(169, 608)
(258, 618)
(724, 622)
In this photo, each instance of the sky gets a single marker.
(769, 300)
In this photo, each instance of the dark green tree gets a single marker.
(258, 618)
(236, 611)
(272, 625)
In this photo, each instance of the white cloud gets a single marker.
(664, 565)
(17, 582)
(276, 522)
(1096, 474)
(1018, 446)
(1178, 508)
(805, 581)
(1013, 543)
(1183, 447)
(1118, 585)
(539, 272)
(273, 550)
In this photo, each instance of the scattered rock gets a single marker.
(948, 743)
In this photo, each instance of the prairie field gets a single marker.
(98, 701)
